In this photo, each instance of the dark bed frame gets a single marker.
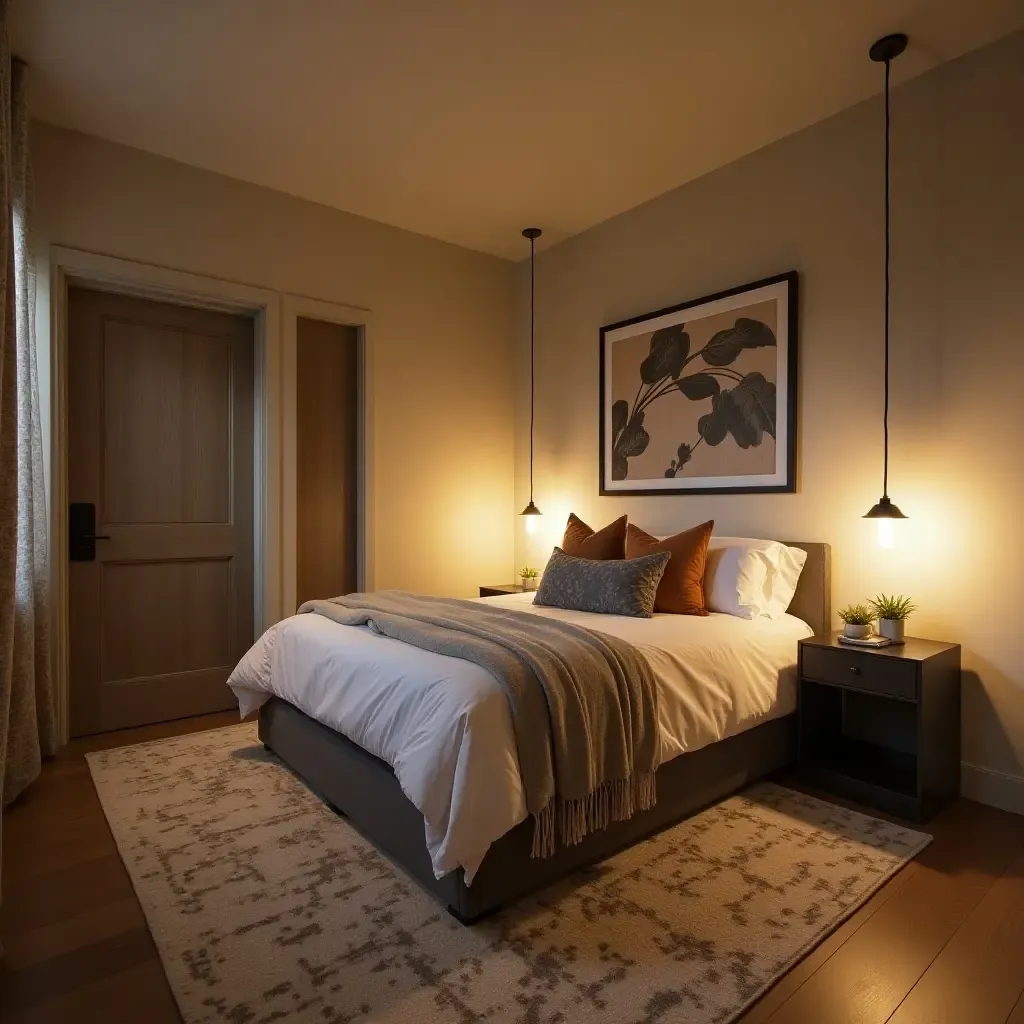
(365, 790)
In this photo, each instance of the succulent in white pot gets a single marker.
(528, 577)
(857, 619)
(892, 612)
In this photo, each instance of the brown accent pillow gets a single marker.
(681, 590)
(581, 541)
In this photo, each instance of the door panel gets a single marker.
(166, 392)
(190, 600)
(160, 401)
(327, 403)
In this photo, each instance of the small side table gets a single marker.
(502, 588)
(881, 726)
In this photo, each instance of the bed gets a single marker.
(444, 805)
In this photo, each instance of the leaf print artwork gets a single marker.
(701, 397)
(745, 409)
(681, 459)
(669, 348)
(632, 440)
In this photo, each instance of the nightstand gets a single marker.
(502, 588)
(881, 726)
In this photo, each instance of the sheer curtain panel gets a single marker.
(26, 694)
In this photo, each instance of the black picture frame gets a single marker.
(788, 370)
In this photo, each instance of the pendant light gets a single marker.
(531, 511)
(884, 51)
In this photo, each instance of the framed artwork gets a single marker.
(701, 398)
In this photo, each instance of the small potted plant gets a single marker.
(892, 613)
(528, 577)
(857, 619)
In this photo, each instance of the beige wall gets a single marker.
(443, 397)
(444, 400)
(812, 202)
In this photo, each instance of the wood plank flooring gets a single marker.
(941, 943)
(76, 946)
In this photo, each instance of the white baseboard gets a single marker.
(991, 787)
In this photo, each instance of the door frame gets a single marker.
(76, 267)
(294, 307)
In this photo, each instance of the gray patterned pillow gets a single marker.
(621, 586)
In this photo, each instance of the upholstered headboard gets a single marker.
(812, 601)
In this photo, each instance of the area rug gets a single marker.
(266, 906)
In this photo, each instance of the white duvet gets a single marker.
(443, 724)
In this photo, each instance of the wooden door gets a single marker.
(160, 429)
(327, 426)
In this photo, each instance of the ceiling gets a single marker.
(468, 120)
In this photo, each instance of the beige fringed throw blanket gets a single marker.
(584, 704)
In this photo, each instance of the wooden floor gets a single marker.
(941, 943)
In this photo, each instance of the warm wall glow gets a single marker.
(467, 534)
(886, 533)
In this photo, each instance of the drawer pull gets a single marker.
(855, 670)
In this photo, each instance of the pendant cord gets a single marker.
(531, 370)
(885, 418)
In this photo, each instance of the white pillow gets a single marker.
(741, 585)
(737, 581)
(790, 565)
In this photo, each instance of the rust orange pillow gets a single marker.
(581, 541)
(681, 590)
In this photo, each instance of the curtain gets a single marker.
(27, 729)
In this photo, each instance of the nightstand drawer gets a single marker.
(861, 670)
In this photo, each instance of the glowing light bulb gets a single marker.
(886, 533)
(531, 514)
(885, 514)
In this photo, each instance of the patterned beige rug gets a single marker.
(266, 907)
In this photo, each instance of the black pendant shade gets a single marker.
(532, 234)
(883, 51)
(884, 509)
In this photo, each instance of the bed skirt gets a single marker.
(365, 790)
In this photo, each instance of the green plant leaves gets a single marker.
(893, 606)
(856, 615)
(726, 345)
(746, 411)
(632, 440)
(669, 348)
(698, 386)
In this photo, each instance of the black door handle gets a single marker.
(82, 535)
